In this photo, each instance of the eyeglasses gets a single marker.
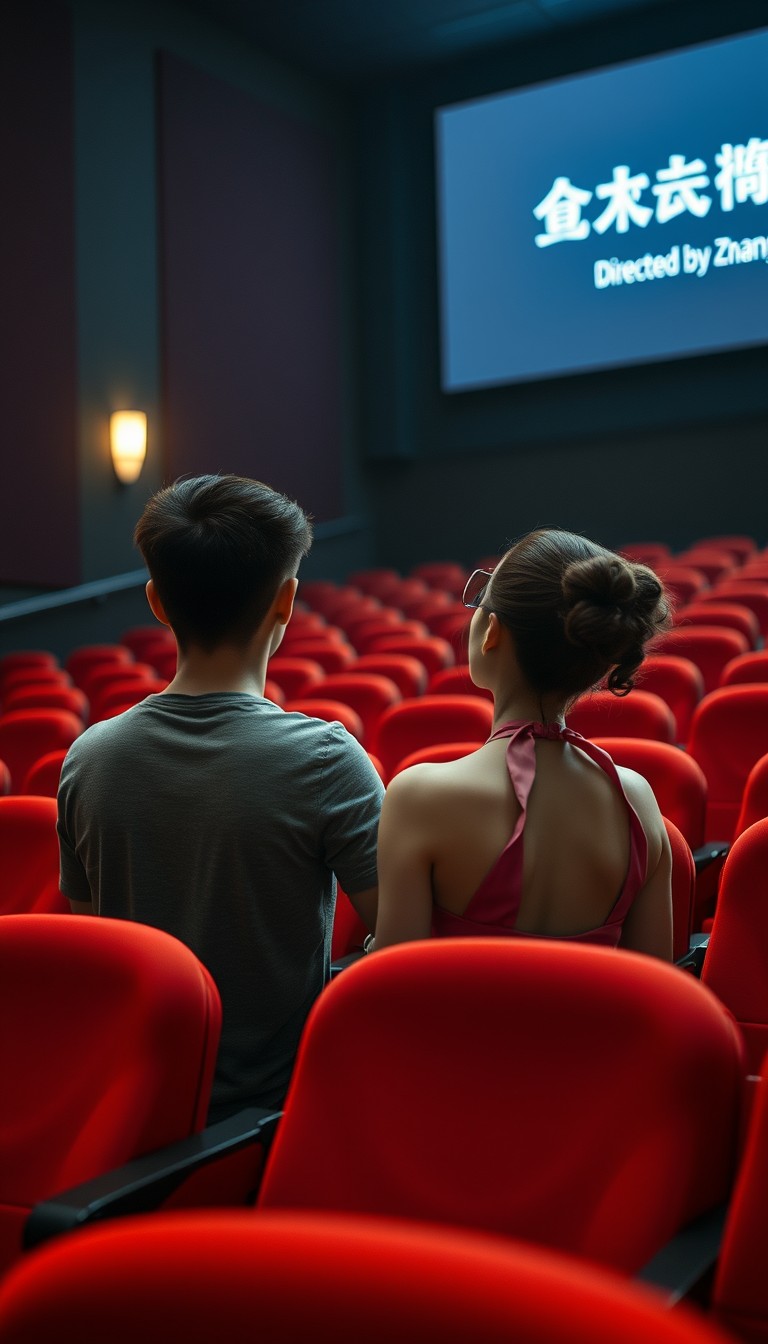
(476, 588)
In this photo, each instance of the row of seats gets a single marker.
(609, 1125)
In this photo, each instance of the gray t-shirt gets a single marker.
(223, 820)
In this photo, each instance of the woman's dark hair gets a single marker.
(218, 548)
(578, 612)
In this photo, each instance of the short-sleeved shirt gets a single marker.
(225, 821)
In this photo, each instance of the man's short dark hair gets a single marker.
(218, 548)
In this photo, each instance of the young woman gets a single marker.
(537, 833)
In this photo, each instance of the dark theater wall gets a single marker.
(39, 532)
(251, 283)
(672, 449)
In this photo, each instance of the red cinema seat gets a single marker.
(5, 779)
(26, 658)
(735, 965)
(332, 654)
(710, 647)
(678, 682)
(110, 1032)
(456, 681)
(329, 634)
(142, 637)
(408, 674)
(365, 692)
(714, 564)
(740, 547)
(165, 664)
(746, 667)
(359, 627)
(729, 734)
(383, 628)
(650, 553)
(17, 678)
(335, 711)
(432, 651)
(639, 714)
(427, 607)
(754, 801)
(29, 857)
(728, 614)
(677, 781)
(755, 570)
(124, 695)
(682, 582)
(43, 778)
(375, 582)
(294, 676)
(47, 697)
(81, 660)
(349, 931)
(467, 1120)
(300, 1276)
(28, 734)
(748, 593)
(453, 626)
(429, 720)
(106, 675)
(445, 575)
(740, 1291)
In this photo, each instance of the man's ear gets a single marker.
(157, 608)
(492, 633)
(283, 604)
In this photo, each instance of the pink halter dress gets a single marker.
(494, 908)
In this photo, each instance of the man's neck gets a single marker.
(225, 669)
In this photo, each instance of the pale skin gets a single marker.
(234, 667)
(443, 827)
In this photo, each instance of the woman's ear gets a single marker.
(492, 633)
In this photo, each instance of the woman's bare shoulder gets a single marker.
(643, 800)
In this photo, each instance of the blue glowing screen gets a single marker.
(610, 218)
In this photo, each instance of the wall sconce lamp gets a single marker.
(128, 444)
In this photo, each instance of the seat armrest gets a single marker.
(710, 853)
(687, 1260)
(340, 964)
(141, 1185)
(693, 960)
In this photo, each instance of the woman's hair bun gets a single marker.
(612, 607)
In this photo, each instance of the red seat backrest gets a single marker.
(294, 676)
(748, 593)
(677, 781)
(728, 614)
(409, 674)
(746, 667)
(335, 711)
(109, 1031)
(29, 857)
(432, 651)
(572, 1096)
(639, 714)
(366, 692)
(740, 1290)
(428, 720)
(710, 647)
(210, 1275)
(736, 965)
(679, 683)
(43, 779)
(729, 734)
(754, 800)
(28, 734)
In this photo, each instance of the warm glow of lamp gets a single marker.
(128, 442)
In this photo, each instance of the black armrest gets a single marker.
(341, 963)
(693, 960)
(141, 1185)
(710, 853)
(686, 1261)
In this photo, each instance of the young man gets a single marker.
(209, 812)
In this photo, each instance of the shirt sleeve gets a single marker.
(351, 803)
(73, 880)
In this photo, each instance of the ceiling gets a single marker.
(355, 40)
